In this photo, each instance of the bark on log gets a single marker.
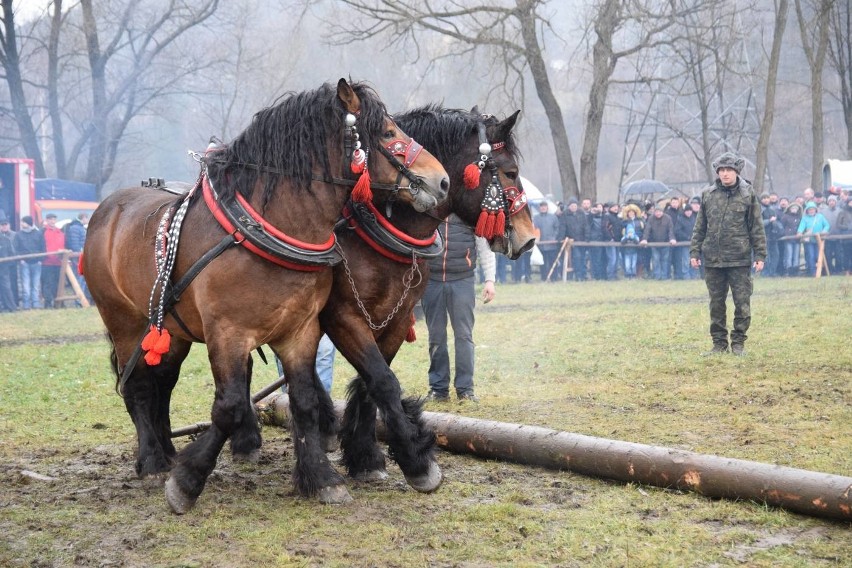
(798, 490)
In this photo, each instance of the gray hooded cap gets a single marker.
(729, 160)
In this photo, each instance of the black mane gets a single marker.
(291, 138)
(446, 132)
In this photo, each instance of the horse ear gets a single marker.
(475, 110)
(348, 97)
(506, 125)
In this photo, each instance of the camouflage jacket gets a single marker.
(729, 227)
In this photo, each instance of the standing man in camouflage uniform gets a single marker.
(729, 234)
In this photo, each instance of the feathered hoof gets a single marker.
(334, 495)
(429, 481)
(154, 480)
(372, 475)
(251, 457)
(179, 501)
(330, 443)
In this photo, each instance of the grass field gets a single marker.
(620, 360)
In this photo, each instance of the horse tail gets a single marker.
(113, 361)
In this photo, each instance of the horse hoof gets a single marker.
(429, 481)
(251, 457)
(330, 443)
(334, 495)
(372, 475)
(179, 501)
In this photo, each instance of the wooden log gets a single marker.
(798, 490)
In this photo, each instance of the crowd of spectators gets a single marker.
(651, 239)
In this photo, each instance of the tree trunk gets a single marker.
(806, 492)
(12, 66)
(538, 68)
(53, 91)
(771, 85)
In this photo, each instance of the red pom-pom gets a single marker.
(80, 265)
(411, 336)
(471, 176)
(153, 358)
(362, 192)
(151, 338)
(163, 343)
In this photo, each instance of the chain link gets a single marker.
(407, 281)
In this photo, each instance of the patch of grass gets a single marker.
(619, 360)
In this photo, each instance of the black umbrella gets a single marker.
(644, 186)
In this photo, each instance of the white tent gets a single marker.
(534, 196)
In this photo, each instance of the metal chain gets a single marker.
(407, 281)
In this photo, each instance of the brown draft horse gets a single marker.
(370, 338)
(282, 166)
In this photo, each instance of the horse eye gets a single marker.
(512, 175)
(388, 134)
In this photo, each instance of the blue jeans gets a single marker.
(661, 259)
(31, 284)
(681, 263)
(324, 365)
(611, 263)
(791, 256)
(578, 262)
(811, 254)
(630, 254)
(451, 301)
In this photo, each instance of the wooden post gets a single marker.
(802, 491)
(821, 263)
(556, 261)
(66, 272)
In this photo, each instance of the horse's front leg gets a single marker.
(232, 408)
(314, 474)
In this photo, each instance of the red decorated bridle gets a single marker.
(499, 204)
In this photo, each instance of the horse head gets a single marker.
(480, 153)
(387, 159)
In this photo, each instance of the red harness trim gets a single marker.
(213, 205)
(278, 234)
(409, 151)
(347, 213)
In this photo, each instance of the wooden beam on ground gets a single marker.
(798, 490)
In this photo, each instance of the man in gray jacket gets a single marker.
(729, 234)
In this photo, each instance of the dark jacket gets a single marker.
(75, 235)
(729, 226)
(790, 219)
(658, 230)
(844, 222)
(458, 260)
(550, 230)
(29, 242)
(596, 227)
(6, 248)
(684, 226)
(611, 226)
(575, 226)
(774, 229)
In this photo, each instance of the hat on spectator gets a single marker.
(818, 194)
(810, 205)
(695, 199)
(729, 160)
(609, 204)
(50, 216)
(27, 219)
(3, 220)
(573, 200)
(765, 195)
(832, 198)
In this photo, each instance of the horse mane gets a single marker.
(290, 139)
(445, 132)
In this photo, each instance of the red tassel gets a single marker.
(163, 343)
(356, 168)
(362, 192)
(411, 336)
(151, 338)
(471, 176)
(480, 224)
(500, 225)
(80, 265)
(488, 231)
(153, 358)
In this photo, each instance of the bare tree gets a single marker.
(815, 34)
(514, 32)
(101, 72)
(840, 58)
(781, 11)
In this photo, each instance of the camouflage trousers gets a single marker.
(739, 281)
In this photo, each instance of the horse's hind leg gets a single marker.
(329, 425)
(362, 456)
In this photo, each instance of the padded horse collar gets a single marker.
(386, 239)
(251, 231)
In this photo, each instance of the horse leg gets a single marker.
(411, 443)
(246, 439)
(362, 456)
(328, 423)
(313, 475)
(231, 407)
(166, 375)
